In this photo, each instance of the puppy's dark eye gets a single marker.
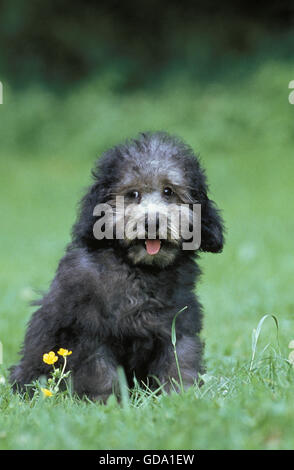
(168, 191)
(134, 194)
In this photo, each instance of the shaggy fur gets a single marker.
(111, 302)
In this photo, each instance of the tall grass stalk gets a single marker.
(256, 333)
(174, 342)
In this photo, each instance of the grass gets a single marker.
(242, 126)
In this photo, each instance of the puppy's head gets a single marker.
(143, 200)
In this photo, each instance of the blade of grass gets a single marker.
(123, 387)
(174, 342)
(256, 333)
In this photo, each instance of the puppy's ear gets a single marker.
(82, 231)
(104, 174)
(212, 227)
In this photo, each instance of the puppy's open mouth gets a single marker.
(152, 246)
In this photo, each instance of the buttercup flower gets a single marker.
(64, 352)
(50, 358)
(46, 392)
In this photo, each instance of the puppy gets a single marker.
(114, 295)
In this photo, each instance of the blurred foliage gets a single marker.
(61, 42)
(91, 115)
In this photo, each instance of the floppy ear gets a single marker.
(82, 231)
(104, 175)
(212, 228)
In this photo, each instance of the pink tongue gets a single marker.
(152, 246)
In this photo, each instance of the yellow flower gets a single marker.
(46, 392)
(64, 352)
(50, 358)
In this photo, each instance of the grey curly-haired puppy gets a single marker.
(113, 300)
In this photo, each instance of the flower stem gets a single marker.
(61, 375)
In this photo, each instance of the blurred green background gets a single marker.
(79, 78)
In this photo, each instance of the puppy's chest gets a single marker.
(139, 305)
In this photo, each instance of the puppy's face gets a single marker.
(150, 187)
(149, 215)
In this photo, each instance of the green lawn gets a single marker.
(243, 126)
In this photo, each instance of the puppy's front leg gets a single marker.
(189, 352)
(96, 377)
